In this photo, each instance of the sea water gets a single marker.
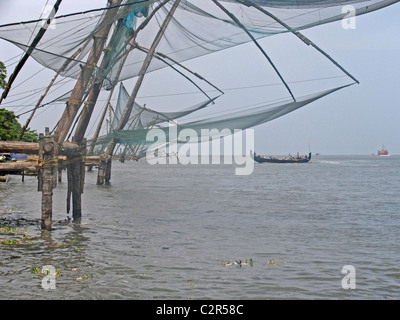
(181, 231)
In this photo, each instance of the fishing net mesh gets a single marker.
(199, 27)
(216, 126)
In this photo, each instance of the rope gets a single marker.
(57, 160)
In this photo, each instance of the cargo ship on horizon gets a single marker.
(383, 152)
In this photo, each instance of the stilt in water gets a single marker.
(142, 73)
(101, 173)
(76, 181)
(48, 152)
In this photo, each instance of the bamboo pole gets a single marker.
(93, 94)
(28, 53)
(76, 164)
(146, 63)
(240, 25)
(78, 92)
(38, 104)
(162, 57)
(298, 34)
(99, 125)
(124, 56)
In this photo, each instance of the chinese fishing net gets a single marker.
(199, 27)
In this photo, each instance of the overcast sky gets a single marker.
(356, 120)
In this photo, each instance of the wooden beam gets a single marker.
(17, 167)
(19, 147)
(69, 149)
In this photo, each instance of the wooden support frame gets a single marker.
(130, 103)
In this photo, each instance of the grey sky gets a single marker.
(356, 120)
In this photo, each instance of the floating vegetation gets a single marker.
(56, 273)
(276, 262)
(11, 230)
(191, 284)
(272, 263)
(84, 276)
(76, 248)
(10, 241)
(22, 240)
(8, 229)
(238, 263)
(247, 262)
(35, 270)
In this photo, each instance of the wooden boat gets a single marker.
(289, 159)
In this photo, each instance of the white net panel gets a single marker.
(198, 28)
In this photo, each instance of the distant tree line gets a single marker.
(10, 128)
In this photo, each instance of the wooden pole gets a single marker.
(101, 170)
(78, 92)
(146, 63)
(236, 20)
(29, 51)
(17, 168)
(94, 93)
(124, 56)
(63, 67)
(77, 177)
(301, 36)
(47, 153)
(163, 57)
(19, 147)
(75, 162)
(99, 125)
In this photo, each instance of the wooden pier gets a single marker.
(55, 152)
(47, 159)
